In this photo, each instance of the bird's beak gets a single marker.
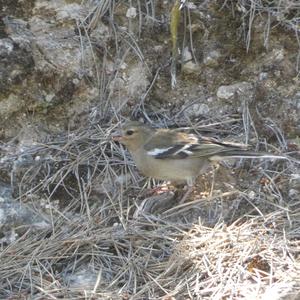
(117, 136)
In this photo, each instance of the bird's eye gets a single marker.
(129, 132)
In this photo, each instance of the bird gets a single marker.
(175, 156)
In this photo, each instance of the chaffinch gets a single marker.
(176, 156)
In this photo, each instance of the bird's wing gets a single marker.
(172, 145)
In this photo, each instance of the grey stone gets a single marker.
(196, 110)
(191, 68)
(14, 216)
(211, 59)
(228, 91)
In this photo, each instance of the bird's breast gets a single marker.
(169, 169)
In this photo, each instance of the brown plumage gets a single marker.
(176, 156)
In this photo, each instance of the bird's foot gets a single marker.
(188, 192)
(158, 190)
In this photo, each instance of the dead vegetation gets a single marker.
(236, 240)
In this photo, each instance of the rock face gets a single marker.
(52, 70)
(41, 69)
(60, 60)
(236, 89)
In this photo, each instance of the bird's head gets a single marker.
(134, 134)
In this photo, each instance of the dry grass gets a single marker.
(237, 243)
(102, 241)
(273, 13)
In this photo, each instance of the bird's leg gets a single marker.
(165, 187)
(215, 167)
(190, 185)
(160, 189)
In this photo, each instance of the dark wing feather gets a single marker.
(207, 147)
(170, 145)
(181, 145)
(175, 152)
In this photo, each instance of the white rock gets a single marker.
(131, 12)
(262, 76)
(137, 80)
(190, 68)
(293, 193)
(197, 109)
(211, 58)
(251, 195)
(186, 54)
(228, 91)
(6, 46)
(191, 5)
(49, 97)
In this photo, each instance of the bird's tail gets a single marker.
(240, 153)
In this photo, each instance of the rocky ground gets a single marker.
(76, 217)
